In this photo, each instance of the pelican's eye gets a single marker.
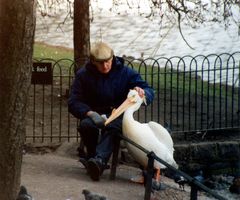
(133, 98)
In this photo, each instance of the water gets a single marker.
(134, 35)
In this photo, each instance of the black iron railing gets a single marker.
(194, 183)
(192, 94)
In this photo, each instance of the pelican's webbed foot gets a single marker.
(156, 186)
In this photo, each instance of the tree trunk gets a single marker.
(81, 32)
(17, 22)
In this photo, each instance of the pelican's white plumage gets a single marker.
(152, 136)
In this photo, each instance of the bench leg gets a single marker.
(115, 158)
(81, 150)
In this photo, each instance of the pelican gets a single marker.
(151, 136)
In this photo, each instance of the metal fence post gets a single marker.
(194, 191)
(148, 187)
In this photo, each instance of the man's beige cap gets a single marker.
(100, 51)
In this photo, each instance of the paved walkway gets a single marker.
(59, 176)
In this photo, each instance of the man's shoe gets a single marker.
(83, 161)
(95, 168)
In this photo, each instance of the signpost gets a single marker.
(42, 73)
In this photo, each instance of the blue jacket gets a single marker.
(92, 90)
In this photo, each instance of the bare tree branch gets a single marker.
(178, 10)
(195, 12)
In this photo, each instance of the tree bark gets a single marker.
(81, 32)
(17, 22)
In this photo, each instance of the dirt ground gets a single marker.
(56, 174)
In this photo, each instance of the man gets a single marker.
(101, 85)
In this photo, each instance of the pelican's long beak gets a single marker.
(117, 112)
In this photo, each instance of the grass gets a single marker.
(183, 82)
(42, 51)
(62, 55)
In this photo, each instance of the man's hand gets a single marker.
(140, 91)
(97, 119)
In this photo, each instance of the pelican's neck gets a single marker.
(128, 119)
(128, 115)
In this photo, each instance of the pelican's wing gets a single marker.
(162, 134)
